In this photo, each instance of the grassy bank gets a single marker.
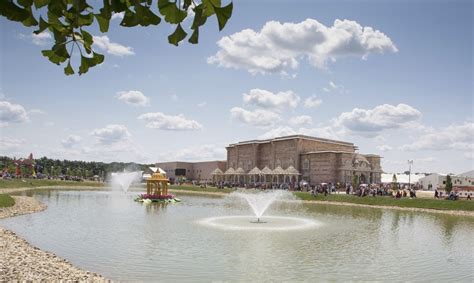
(6, 201)
(199, 189)
(464, 205)
(461, 205)
(33, 183)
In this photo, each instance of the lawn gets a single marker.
(439, 204)
(199, 189)
(33, 183)
(6, 201)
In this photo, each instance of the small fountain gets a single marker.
(259, 202)
(123, 180)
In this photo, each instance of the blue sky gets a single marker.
(394, 77)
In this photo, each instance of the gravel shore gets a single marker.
(20, 261)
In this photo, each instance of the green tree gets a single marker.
(66, 20)
(394, 183)
(355, 181)
(449, 184)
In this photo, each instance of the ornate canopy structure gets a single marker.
(157, 185)
(217, 174)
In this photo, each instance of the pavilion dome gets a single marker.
(292, 171)
(255, 171)
(359, 158)
(267, 171)
(279, 171)
(217, 171)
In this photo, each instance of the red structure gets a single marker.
(28, 162)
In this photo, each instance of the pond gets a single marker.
(109, 233)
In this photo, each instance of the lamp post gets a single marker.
(410, 162)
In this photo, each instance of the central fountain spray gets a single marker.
(260, 201)
(123, 180)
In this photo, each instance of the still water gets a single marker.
(109, 233)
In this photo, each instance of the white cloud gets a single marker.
(202, 104)
(321, 132)
(384, 147)
(117, 16)
(312, 102)
(370, 122)
(174, 97)
(70, 141)
(7, 144)
(279, 132)
(36, 112)
(303, 120)
(133, 97)
(112, 134)
(266, 99)
(12, 113)
(42, 38)
(259, 117)
(278, 47)
(195, 153)
(38, 39)
(161, 121)
(103, 42)
(333, 87)
(454, 137)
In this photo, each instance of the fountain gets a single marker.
(123, 180)
(259, 202)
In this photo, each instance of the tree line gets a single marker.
(57, 168)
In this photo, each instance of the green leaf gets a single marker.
(42, 26)
(149, 18)
(69, 70)
(130, 19)
(85, 20)
(87, 37)
(178, 35)
(41, 3)
(223, 14)
(209, 6)
(13, 12)
(103, 22)
(30, 21)
(186, 4)
(87, 40)
(61, 51)
(84, 65)
(199, 18)
(172, 14)
(51, 56)
(25, 3)
(194, 37)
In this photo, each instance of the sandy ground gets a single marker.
(20, 261)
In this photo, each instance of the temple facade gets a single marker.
(317, 160)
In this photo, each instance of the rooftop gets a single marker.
(290, 138)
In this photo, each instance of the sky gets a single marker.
(393, 77)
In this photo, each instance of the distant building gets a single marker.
(462, 183)
(191, 170)
(317, 160)
(402, 178)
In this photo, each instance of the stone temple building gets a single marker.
(317, 160)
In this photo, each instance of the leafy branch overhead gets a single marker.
(66, 20)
